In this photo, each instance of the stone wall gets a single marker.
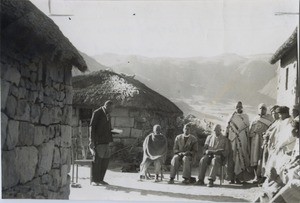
(135, 123)
(36, 112)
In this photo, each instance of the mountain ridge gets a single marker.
(222, 78)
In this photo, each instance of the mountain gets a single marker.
(91, 63)
(203, 86)
(224, 76)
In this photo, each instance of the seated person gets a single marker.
(185, 148)
(155, 150)
(215, 152)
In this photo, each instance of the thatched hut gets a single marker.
(137, 107)
(288, 72)
(36, 103)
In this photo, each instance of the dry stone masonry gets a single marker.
(36, 112)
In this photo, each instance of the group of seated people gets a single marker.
(185, 149)
(268, 148)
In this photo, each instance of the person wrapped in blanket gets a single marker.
(154, 150)
(258, 127)
(283, 167)
(237, 132)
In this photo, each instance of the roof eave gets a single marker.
(285, 47)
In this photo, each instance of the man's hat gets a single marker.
(283, 109)
(274, 108)
(240, 104)
(262, 105)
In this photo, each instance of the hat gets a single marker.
(273, 108)
(283, 109)
(239, 104)
(262, 105)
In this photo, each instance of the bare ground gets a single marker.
(127, 187)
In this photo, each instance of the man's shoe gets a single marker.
(95, 184)
(237, 181)
(103, 182)
(199, 182)
(210, 183)
(231, 182)
(171, 181)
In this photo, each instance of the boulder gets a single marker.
(39, 135)
(26, 162)
(4, 121)
(66, 136)
(56, 158)
(26, 134)
(10, 176)
(45, 157)
(13, 75)
(4, 93)
(23, 110)
(11, 106)
(12, 134)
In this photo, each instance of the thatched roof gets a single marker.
(94, 89)
(287, 45)
(27, 30)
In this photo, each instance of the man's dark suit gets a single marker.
(100, 136)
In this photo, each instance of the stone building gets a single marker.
(36, 103)
(288, 91)
(137, 107)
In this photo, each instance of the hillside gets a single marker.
(203, 86)
(91, 63)
(227, 76)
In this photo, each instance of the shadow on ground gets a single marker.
(176, 195)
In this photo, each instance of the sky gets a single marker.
(177, 28)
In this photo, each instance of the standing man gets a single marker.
(155, 149)
(185, 148)
(237, 132)
(215, 152)
(269, 137)
(100, 137)
(258, 128)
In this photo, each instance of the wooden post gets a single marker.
(298, 76)
(81, 142)
(72, 160)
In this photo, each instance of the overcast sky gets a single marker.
(174, 28)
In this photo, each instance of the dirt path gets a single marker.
(126, 187)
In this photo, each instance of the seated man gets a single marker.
(155, 150)
(215, 149)
(185, 148)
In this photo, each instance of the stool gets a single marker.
(82, 162)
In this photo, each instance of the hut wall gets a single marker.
(36, 112)
(136, 125)
(287, 80)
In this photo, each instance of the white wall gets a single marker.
(286, 94)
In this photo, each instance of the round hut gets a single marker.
(137, 107)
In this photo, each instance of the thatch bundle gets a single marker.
(287, 45)
(94, 89)
(26, 30)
